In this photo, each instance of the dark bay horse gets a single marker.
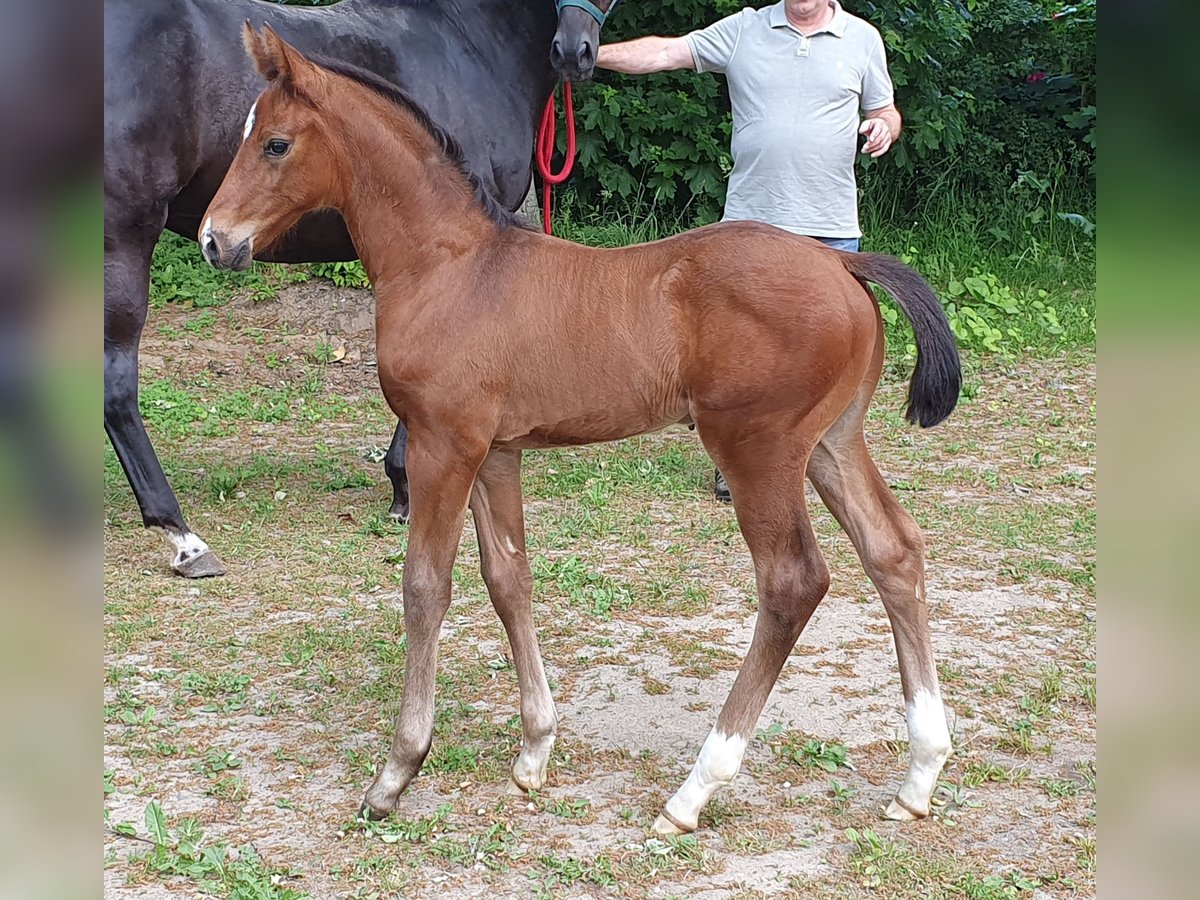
(493, 339)
(177, 88)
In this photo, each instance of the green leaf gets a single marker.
(156, 824)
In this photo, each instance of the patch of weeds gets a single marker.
(212, 869)
(566, 808)
(491, 848)
(1059, 788)
(201, 325)
(128, 709)
(452, 758)
(343, 274)
(840, 795)
(229, 787)
(591, 590)
(977, 773)
(799, 749)
(1020, 734)
(663, 856)
(900, 871)
(169, 410)
(226, 693)
(559, 872)
(216, 761)
(653, 686)
(393, 830)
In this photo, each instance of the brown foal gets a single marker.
(492, 339)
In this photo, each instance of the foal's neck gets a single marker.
(409, 209)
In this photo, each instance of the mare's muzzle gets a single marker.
(574, 60)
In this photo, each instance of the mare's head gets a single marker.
(286, 165)
(573, 53)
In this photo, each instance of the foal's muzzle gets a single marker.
(224, 253)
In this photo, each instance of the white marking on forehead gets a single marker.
(249, 122)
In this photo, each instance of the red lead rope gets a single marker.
(544, 151)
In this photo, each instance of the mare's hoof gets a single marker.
(899, 811)
(669, 828)
(205, 565)
(399, 513)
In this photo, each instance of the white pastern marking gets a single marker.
(249, 122)
(187, 545)
(929, 746)
(718, 763)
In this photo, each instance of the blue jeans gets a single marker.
(849, 244)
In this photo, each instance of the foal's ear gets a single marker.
(275, 59)
(266, 49)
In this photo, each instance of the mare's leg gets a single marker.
(500, 524)
(393, 467)
(443, 470)
(766, 478)
(127, 253)
(892, 550)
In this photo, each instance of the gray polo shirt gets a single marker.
(796, 103)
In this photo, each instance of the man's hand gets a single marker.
(881, 128)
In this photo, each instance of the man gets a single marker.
(800, 74)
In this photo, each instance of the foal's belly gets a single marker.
(588, 428)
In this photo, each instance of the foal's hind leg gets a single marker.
(892, 550)
(500, 524)
(767, 482)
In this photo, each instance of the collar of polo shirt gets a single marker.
(777, 18)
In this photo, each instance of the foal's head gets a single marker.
(287, 163)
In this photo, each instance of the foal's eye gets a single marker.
(277, 147)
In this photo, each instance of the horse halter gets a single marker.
(590, 8)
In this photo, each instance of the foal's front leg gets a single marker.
(441, 474)
(500, 523)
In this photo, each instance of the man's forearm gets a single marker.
(645, 55)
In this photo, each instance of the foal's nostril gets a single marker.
(210, 248)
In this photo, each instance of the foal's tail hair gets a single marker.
(933, 392)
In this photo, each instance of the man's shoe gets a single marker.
(721, 489)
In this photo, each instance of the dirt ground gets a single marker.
(259, 704)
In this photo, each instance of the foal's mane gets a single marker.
(449, 147)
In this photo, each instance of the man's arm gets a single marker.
(882, 128)
(645, 55)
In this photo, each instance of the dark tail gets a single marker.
(933, 392)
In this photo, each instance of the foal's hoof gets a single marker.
(513, 789)
(205, 565)
(368, 813)
(899, 811)
(669, 827)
